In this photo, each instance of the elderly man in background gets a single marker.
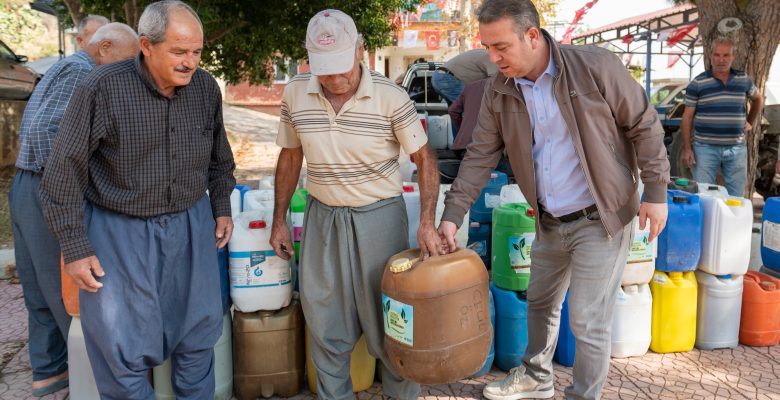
(142, 142)
(350, 123)
(37, 251)
(87, 27)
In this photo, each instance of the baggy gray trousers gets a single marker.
(579, 256)
(343, 257)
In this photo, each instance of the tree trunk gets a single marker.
(755, 46)
(76, 11)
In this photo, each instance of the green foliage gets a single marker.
(20, 26)
(243, 38)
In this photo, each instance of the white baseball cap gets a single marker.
(331, 40)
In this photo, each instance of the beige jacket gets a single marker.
(614, 128)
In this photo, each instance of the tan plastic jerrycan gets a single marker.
(268, 352)
(436, 315)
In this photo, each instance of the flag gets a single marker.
(432, 40)
(410, 39)
(628, 38)
(577, 17)
(680, 34)
(663, 35)
(672, 59)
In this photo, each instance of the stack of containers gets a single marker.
(481, 216)
(727, 225)
(266, 318)
(674, 288)
(632, 315)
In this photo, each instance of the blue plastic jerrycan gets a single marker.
(511, 331)
(489, 198)
(492, 355)
(679, 244)
(480, 240)
(564, 351)
(770, 234)
(224, 279)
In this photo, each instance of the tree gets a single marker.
(20, 26)
(755, 46)
(244, 38)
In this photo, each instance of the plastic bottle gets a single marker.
(674, 311)
(718, 311)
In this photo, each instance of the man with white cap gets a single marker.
(349, 123)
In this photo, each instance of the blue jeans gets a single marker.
(731, 159)
(38, 265)
(447, 86)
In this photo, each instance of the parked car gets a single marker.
(17, 81)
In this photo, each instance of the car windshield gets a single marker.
(660, 93)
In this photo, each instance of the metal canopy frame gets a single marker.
(645, 31)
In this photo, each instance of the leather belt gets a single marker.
(575, 215)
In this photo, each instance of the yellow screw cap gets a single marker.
(400, 265)
(733, 202)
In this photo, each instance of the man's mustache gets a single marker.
(182, 69)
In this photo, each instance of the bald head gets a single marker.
(87, 27)
(113, 42)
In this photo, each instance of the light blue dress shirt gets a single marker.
(560, 181)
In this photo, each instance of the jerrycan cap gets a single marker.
(681, 181)
(712, 187)
(733, 202)
(679, 199)
(632, 289)
(675, 274)
(400, 265)
(258, 224)
(530, 212)
(408, 188)
(474, 225)
(769, 286)
(493, 175)
(726, 277)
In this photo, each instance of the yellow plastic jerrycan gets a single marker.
(361, 366)
(674, 311)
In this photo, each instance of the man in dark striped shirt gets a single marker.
(142, 141)
(715, 111)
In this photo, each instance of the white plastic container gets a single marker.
(631, 321)
(411, 197)
(223, 368)
(726, 233)
(718, 310)
(438, 127)
(235, 202)
(81, 379)
(712, 189)
(266, 182)
(511, 194)
(259, 279)
(259, 200)
(640, 264)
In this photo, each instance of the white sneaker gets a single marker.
(518, 385)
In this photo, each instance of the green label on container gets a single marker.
(641, 248)
(399, 320)
(520, 252)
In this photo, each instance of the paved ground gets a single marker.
(741, 373)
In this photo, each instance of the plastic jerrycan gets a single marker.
(684, 184)
(565, 349)
(297, 212)
(511, 327)
(261, 199)
(362, 366)
(511, 194)
(81, 384)
(713, 189)
(718, 311)
(492, 355)
(640, 263)
(674, 311)
(631, 321)
(411, 196)
(489, 198)
(770, 234)
(679, 244)
(480, 241)
(436, 309)
(223, 368)
(514, 230)
(727, 230)
(760, 320)
(70, 292)
(259, 279)
(268, 352)
(237, 199)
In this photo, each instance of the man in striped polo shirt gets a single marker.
(715, 111)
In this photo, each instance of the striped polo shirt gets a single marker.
(352, 156)
(721, 109)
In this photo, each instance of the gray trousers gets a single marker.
(38, 265)
(579, 256)
(160, 298)
(342, 260)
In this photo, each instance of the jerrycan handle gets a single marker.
(404, 264)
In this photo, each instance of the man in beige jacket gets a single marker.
(576, 127)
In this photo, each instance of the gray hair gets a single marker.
(113, 32)
(154, 20)
(90, 18)
(522, 12)
(722, 40)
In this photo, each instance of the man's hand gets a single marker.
(656, 213)
(447, 232)
(429, 241)
(82, 273)
(686, 154)
(280, 240)
(224, 231)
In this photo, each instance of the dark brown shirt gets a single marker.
(126, 147)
